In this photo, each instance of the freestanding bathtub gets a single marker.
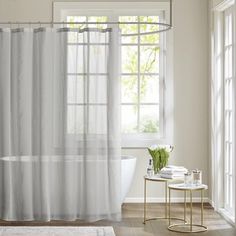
(62, 187)
(128, 164)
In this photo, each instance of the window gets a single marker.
(143, 74)
(223, 90)
(228, 111)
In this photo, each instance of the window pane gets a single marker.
(75, 38)
(97, 119)
(149, 59)
(230, 127)
(98, 37)
(75, 119)
(226, 29)
(97, 19)
(129, 118)
(226, 63)
(96, 123)
(226, 128)
(129, 29)
(75, 60)
(149, 89)
(129, 59)
(149, 118)
(151, 38)
(97, 62)
(230, 29)
(226, 96)
(98, 89)
(230, 94)
(75, 89)
(230, 61)
(129, 89)
(76, 19)
(230, 159)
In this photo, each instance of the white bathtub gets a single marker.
(51, 189)
(128, 164)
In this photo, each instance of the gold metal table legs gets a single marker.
(145, 200)
(145, 204)
(166, 217)
(187, 227)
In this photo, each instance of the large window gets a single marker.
(223, 92)
(228, 111)
(143, 66)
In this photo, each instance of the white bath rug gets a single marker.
(56, 231)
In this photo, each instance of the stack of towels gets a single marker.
(173, 172)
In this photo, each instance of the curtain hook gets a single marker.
(39, 24)
(18, 24)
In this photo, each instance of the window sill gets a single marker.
(141, 141)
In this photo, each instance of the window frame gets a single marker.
(228, 118)
(217, 127)
(137, 140)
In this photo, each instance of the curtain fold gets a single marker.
(60, 124)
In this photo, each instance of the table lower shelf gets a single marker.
(189, 228)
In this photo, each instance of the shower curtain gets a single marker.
(59, 124)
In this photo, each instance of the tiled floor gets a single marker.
(132, 218)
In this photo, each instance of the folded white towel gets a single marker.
(172, 170)
(166, 176)
(175, 167)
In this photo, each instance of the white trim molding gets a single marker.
(61, 9)
(226, 215)
(217, 132)
(223, 4)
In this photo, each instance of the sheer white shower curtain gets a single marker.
(59, 124)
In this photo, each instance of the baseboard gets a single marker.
(162, 200)
(211, 203)
(227, 216)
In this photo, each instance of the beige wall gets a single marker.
(190, 93)
(190, 82)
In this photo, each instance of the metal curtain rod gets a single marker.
(167, 26)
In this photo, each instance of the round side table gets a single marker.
(158, 178)
(187, 188)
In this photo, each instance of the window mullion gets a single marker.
(88, 79)
(138, 108)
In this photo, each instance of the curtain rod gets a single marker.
(167, 26)
(81, 22)
(63, 23)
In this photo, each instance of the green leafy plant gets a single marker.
(160, 156)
